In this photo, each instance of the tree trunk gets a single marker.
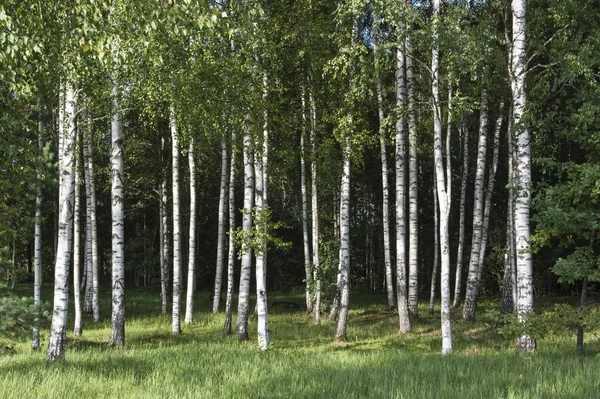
(413, 189)
(89, 272)
(164, 234)
(303, 190)
(443, 200)
(262, 229)
(387, 256)
(244, 291)
(509, 292)
(344, 285)
(191, 280)
(401, 289)
(489, 191)
(77, 246)
(37, 250)
(472, 282)
(315, 208)
(118, 223)
(221, 227)
(93, 232)
(176, 319)
(231, 249)
(436, 249)
(461, 219)
(524, 269)
(67, 129)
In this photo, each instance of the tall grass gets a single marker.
(303, 361)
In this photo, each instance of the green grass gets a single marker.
(303, 361)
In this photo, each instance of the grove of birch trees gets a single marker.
(442, 150)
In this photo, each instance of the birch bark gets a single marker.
(478, 202)
(303, 190)
(191, 280)
(441, 190)
(221, 228)
(37, 245)
(118, 223)
(77, 245)
(67, 129)
(524, 280)
(176, 311)
(231, 248)
(436, 249)
(461, 219)
(164, 233)
(315, 207)
(244, 291)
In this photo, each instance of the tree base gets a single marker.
(525, 344)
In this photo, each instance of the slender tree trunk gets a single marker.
(67, 129)
(118, 223)
(164, 235)
(77, 246)
(443, 200)
(436, 249)
(490, 190)
(413, 189)
(37, 250)
(261, 227)
(303, 190)
(315, 208)
(401, 289)
(93, 232)
(478, 201)
(523, 178)
(244, 291)
(344, 285)
(221, 227)
(231, 248)
(461, 219)
(191, 280)
(509, 291)
(387, 256)
(176, 319)
(88, 276)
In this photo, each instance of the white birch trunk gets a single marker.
(413, 189)
(67, 129)
(509, 296)
(191, 280)
(478, 202)
(489, 191)
(37, 245)
(436, 249)
(176, 311)
(244, 291)
(315, 208)
(164, 234)
(88, 275)
(461, 219)
(118, 223)
(261, 272)
(303, 190)
(387, 256)
(231, 248)
(441, 190)
(400, 154)
(92, 268)
(77, 246)
(344, 284)
(221, 228)
(524, 281)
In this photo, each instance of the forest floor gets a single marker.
(302, 362)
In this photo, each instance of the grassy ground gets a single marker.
(303, 361)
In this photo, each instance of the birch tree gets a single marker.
(303, 191)
(191, 280)
(400, 155)
(37, 245)
(118, 222)
(164, 233)
(478, 203)
(176, 318)
(244, 291)
(315, 208)
(464, 133)
(524, 304)
(231, 245)
(221, 228)
(436, 249)
(441, 189)
(67, 129)
(77, 245)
